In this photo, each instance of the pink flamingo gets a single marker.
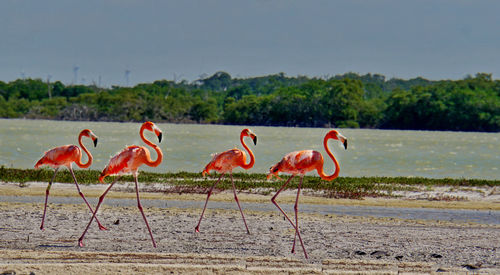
(65, 156)
(301, 162)
(128, 161)
(225, 162)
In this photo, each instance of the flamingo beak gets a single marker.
(254, 138)
(95, 142)
(271, 175)
(159, 136)
(342, 139)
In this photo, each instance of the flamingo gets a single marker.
(301, 162)
(128, 161)
(65, 156)
(225, 162)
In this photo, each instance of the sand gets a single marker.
(335, 244)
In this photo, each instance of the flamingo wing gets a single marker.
(60, 156)
(227, 160)
(123, 162)
(300, 162)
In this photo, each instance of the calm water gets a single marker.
(188, 147)
(452, 215)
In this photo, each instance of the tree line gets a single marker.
(348, 100)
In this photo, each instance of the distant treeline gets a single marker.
(349, 100)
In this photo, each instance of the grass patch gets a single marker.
(187, 182)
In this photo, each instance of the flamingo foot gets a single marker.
(101, 227)
(80, 242)
(197, 229)
(41, 227)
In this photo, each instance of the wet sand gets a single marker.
(336, 244)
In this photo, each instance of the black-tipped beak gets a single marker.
(95, 142)
(159, 137)
(345, 144)
(255, 140)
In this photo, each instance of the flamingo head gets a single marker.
(88, 133)
(150, 126)
(273, 171)
(334, 134)
(249, 133)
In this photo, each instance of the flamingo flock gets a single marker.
(132, 157)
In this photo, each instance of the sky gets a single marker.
(125, 42)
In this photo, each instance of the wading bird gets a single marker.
(128, 161)
(225, 162)
(301, 162)
(65, 156)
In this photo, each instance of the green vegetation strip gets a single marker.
(187, 182)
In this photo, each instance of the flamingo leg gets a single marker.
(237, 201)
(197, 228)
(101, 198)
(101, 227)
(47, 191)
(296, 208)
(142, 212)
(291, 222)
(273, 199)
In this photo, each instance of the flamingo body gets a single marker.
(127, 161)
(226, 161)
(300, 162)
(60, 156)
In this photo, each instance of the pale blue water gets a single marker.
(188, 147)
(451, 215)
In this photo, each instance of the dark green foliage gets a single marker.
(472, 104)
(30, 89)
(349, 100)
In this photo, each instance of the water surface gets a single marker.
(451, 215)
(188, 147)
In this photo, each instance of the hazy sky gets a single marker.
(185, 39)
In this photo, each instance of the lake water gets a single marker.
(451, 215)
(188, 147)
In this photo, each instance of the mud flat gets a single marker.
(336, 244)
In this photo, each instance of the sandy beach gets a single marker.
(335, 244)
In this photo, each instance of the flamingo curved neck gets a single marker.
(159, 153)
(337, 167)
(79, 161)
(252, 157)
